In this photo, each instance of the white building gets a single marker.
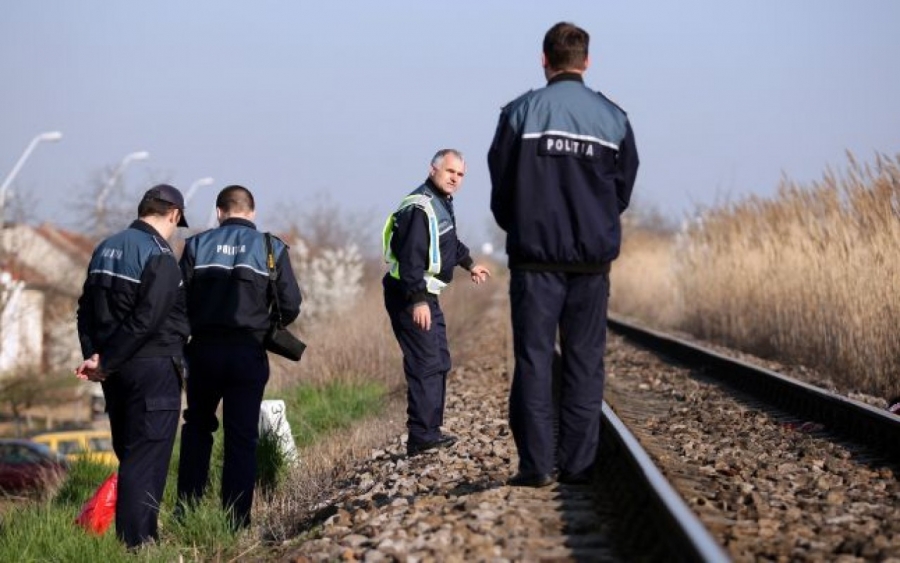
(21, 325)
(42, 270)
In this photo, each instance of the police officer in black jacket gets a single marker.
(421, 245)
(132, 325)
(563, 163)
(227, 279)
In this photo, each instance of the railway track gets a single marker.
(741, 474)
(843, 416)
(454, 505)
(775, 468)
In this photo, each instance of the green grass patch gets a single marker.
(83, 478)
(46, 531)
(313, 412)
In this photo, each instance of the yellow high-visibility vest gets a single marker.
(423, 202)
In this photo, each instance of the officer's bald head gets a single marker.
(235, 200)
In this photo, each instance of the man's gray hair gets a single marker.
(438, 157)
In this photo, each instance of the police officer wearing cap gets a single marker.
(225, 271)
(420, 243)
(132, 325)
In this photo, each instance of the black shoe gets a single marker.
(444, 441)
(583, 478)
(536, 480)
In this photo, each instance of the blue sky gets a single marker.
(298, 100)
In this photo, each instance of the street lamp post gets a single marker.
(101, 198)
(50, 136)
(207, 181)
(137, 155)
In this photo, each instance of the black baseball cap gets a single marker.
(168, 194)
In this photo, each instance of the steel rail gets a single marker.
(849, 418)
(663, 527)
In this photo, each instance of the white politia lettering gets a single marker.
(230, 250)
(112, 253)
(570, 146)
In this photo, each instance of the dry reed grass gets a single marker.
(811, 276)
(642, 280)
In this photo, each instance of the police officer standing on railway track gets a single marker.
(420, 243)
(132, 325)
(563, 163)
(227, 279)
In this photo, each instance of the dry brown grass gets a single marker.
(642, 281)
(355, 346)
(359, 345)
(305, 490)
(811, 276)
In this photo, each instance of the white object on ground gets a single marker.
(273, 419)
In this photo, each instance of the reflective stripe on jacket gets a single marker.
(419, 243)
(563, 164)
(227, 281)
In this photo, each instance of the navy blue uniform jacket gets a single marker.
(228, 282)
(133, 302)
(563, 163)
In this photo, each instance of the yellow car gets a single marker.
(95, 445)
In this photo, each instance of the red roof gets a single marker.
(21, 272)
(76, 245)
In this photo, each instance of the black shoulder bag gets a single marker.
(279, 340)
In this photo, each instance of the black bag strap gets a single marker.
(273, 275)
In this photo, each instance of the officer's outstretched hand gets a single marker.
(479, 274)
(422, 316)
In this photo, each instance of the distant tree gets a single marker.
(331, 280)
(20, 206)
(327, 224)
(325, 247)
(23, 390)
(102, 209)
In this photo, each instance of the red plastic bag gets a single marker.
(98, 512)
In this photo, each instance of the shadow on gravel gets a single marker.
(472, 487)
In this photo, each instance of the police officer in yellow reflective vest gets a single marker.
(422, 248)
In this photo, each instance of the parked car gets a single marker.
(78, 444)
(28, 466)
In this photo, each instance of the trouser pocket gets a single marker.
(161, 417)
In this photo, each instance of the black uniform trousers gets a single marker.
(143, 400)
(426, 362)
(576, 304)
(235, 374)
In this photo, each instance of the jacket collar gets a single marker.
(438, 193)
(146, 227)
(572, 76)
(238, 221)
